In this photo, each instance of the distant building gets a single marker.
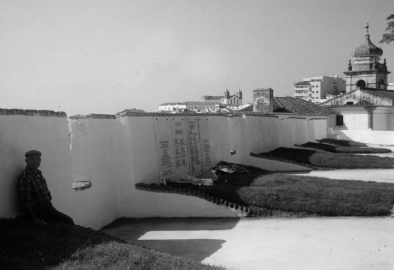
(197, 106)
(316, 89)
(207, 103)
(232, 100)
(366, 71)
(390, 86)
(367, 103)
(290, 105)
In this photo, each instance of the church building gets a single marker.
(367, 104)
(366, 71)
(229, 100)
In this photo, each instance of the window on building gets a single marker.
(339, 120)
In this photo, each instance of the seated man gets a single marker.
(34, 195)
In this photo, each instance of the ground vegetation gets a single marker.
(324, 159)
(259, 189)
(35, 246)
(345, 149)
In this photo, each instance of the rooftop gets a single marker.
(189, 103)
(292, 105)
(365, 97)
(367, 49)
(302, 83)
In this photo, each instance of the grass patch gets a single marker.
(30, 246)
(330, 160)
(294, 193)
(345, 149)
(322, 196)
(343, 143)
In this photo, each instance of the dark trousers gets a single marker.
(49, 214)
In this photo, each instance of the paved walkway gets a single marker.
(269, 243)
(252, 243)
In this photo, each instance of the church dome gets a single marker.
(367, 49)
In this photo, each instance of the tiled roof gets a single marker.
(247, 109)
(293, 105)
(298, 106)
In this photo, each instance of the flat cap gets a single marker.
(32, 152)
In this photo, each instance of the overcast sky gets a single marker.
(82, 56)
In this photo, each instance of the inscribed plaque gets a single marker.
(164, 147)
(193, 144)
(181, 156)
(205, 143)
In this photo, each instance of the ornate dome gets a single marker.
(367, 49)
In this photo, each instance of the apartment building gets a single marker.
(319, 88)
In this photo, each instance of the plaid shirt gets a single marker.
(33, 188)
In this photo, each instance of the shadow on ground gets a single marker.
(156, 233)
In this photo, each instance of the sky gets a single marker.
(105, 56)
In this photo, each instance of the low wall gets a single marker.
(366, 136)
(115, 153)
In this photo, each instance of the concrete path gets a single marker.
(377, 175)
(257, 243)
(252, 243)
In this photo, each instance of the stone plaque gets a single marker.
(181, 156)
(164, 147)
(205, 144)
(193, 145)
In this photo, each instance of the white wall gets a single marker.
(286, 133)
(359, 118)
(97, 148)
(48, 134)
(367, 136)
(299, 130)
(116, 153)
(316, 129)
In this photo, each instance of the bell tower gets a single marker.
(366, 71)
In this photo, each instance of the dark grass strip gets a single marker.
(30, 246)
(322, 196)
(330, 160)
(345, 149)
(343, 143)
(262, 191)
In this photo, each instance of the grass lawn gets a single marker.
(313, 195)
(33, 246)
(330, 160)
(343, 143)
(345, 149)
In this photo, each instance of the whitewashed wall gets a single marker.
(285, 133)
(116, 153)
(39, 130)
(98, 150)
(300, 130)
(366, 136)
(316, 129)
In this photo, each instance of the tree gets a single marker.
(390, 27)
